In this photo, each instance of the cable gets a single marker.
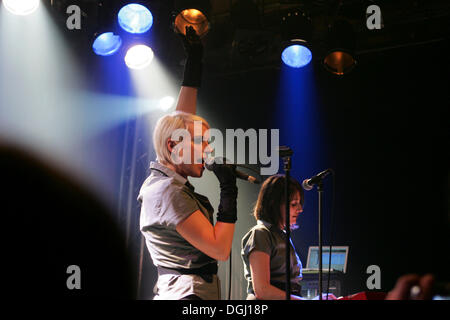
(331, 230)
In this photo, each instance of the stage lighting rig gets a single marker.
(340, 56)
(135, 18)
(193, 13)
(139, 57)
(296, 31)
(106, 39)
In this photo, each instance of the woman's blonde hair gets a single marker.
(165, 126)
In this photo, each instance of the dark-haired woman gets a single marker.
(264, 246)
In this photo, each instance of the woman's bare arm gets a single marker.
(187, 100)
(260, 270)
(214, 241)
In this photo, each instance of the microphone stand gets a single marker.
(320, 193)
(286, 153)
(318, 180)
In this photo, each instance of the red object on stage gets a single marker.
(365, 295)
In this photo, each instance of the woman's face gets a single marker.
(295, 208)
(197, 148)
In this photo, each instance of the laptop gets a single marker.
(339, 255)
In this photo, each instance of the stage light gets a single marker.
(339, 62)
(166, 103)
(340, 59)
(135, 18)
(296, 55)
(21, 7)
(105, 37)
(192, 13)
(107, 44)
(139, 57)
(296, 30)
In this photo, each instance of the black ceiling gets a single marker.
(236, 44)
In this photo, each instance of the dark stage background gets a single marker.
(386, 133)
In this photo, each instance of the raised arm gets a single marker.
(187, 98)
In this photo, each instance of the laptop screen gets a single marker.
(338, 258)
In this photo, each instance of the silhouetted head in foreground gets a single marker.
(51, 223)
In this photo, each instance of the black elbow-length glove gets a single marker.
(194, 66)
(228, 193)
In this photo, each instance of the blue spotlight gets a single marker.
(107, 44)
(296, 32)
(296, 56)
(135, 18)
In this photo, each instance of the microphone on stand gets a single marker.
(308, 184)
(211, 165)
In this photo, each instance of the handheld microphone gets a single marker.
(308, 184)
(211, 165)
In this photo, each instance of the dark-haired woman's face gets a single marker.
(295, 208)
